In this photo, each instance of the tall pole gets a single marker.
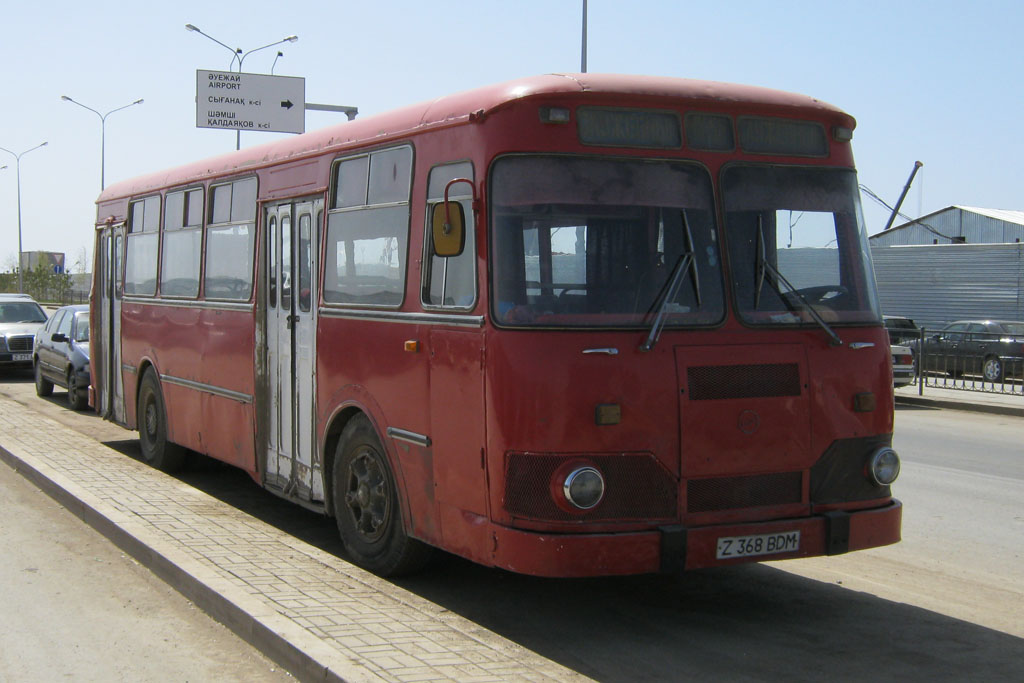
(21, 282)
(17, 157)
(583, 57)
(903, 195)
(103, 133)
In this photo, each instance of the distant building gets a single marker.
(51, 259)
(956, 225)
(958, 263)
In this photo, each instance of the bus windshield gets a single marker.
(798, 251)
(581, 242)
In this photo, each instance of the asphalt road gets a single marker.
(74, 607)
(943, 605)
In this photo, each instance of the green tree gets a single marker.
(9, 282)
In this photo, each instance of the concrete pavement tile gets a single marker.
(316, 614)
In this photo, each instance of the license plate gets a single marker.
(760, 544)
(21, 356)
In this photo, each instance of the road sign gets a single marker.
(240, 101)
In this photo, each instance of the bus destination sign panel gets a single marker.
(252, 102)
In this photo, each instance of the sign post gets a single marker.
(250, 102)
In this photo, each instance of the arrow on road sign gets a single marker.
(287, 104)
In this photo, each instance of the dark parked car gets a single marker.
(991, 348)
(20, 318)
(901, 330)
(61, 355)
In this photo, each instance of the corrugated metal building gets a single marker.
(956, 225)
(960, 263)
(937, 284)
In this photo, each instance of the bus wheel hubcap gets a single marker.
(367, 496)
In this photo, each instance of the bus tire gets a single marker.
(44, 387)
(152, 419)
(366, 505)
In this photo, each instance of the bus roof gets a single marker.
(457, 108)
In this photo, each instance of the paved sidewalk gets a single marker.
(318, 616)
(962, 399)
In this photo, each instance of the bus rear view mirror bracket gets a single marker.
(448, 223)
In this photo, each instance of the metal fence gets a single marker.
(969, 361)
(54, 297)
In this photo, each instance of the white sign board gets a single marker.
(239, 101)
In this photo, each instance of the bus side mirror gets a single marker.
(448, 228)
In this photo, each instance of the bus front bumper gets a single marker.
(676, 548)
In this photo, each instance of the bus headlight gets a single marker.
(884, 466)
(584, 487)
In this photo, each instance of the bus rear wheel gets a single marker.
(366, 505)
(152, 419)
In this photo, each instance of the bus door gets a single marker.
(290, 295)
(110, 384)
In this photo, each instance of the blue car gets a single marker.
(60, 355)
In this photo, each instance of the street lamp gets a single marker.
(288, 39)
(17, 158)
(103, 133)
(234, 51)
(240, 56)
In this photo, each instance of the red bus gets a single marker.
(569, 325)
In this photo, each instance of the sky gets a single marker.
(929, 80)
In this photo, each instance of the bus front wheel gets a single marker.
(366, 505)
(152, 419)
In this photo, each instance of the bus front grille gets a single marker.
(711, 382)
(730, 493)
(637, 487)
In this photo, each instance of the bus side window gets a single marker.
(182, 243)
(230, 241)
(450, 282)
(143, 246)
(366, 250)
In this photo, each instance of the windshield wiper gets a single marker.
(764, 266)
(670, 289)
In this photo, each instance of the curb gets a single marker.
(960, 405)
(282, 642)
(316, 615)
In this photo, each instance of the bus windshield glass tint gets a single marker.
(581, 242)
(797, 241)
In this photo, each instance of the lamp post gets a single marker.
(234, 51)
(103, 133)
(287, 39)
(240, 56)
(17, 158)
(583, 50)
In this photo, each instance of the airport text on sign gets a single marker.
(242, 101)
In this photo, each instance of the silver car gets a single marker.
(903, 367)
(20, 319)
